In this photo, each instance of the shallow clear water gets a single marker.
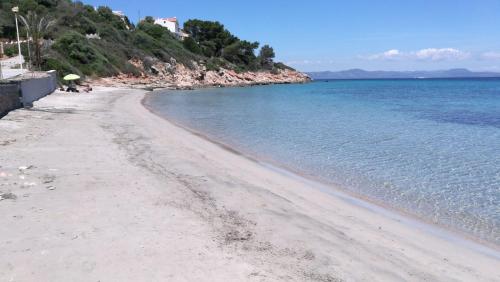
(428, 147)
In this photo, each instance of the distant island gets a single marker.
(363, 74)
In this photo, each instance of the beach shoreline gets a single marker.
(335, 190)
(185, 207)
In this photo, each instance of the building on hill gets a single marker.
(182, 35)
(119, 13)
(122, 16)
(171, 23)
(173, 26)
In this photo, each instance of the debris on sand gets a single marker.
(235, 235)
(7, 142)
(28, 184)
(48, 178)
(7, 196)
(24, 168)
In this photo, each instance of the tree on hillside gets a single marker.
(48, 3)
(149, 19)
(242, 53)
(190, 44)
(215, 41)
(266, 56)
(7, 26)
(28, 5)
(37, 28)
(156, 31)
(212, 37)
(107, 15)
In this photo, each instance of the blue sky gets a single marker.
(335, 35)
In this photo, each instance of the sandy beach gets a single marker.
(95, 187)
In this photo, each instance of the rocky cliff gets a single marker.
(177, 76)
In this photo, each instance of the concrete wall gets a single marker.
(9, 98)
(24, 91)
(37, 88)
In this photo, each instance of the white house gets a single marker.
(171, 23)
(173, 26)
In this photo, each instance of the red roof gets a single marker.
(174, 19)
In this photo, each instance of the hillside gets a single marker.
(95, 42)
(363, 74)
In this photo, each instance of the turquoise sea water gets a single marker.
(427, 147)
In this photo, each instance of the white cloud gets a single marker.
(491, 55)
(429, 54)
(435, 54)
(387, 55)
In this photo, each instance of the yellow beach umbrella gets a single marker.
(71, 77)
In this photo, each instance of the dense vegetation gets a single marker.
(96, 42)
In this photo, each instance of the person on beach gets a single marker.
(87, 88)
(72, 87)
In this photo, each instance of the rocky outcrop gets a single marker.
(178, 76)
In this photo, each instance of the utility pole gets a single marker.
(29, 51)
(16, 10)
(1, 56)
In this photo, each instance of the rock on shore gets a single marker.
(178, 76)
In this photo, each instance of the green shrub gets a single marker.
(83, 55)
(191, 45)
(84, 26)
(282, 66)
(120, 41)
(156, 31)
(62, 67)
(214, 64)
(10, 51)
(76, 47)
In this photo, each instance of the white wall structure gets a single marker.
(10, 67)
(119, 13)
(171, 23)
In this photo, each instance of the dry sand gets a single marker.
(97, 188)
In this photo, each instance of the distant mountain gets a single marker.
(363, 74)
